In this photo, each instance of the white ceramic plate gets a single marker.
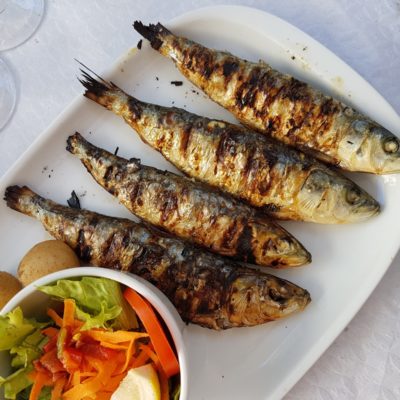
(262, 362)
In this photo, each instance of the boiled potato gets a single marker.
(9, 286)
(44, 258)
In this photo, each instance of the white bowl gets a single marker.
(34, 303)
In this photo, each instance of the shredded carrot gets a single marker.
(114, 382)
(76, 378)
(58, 388)
(140, 360)
(115, 336)
(147, 315)
(164, 385)
(69, 313)
(103, 395)
(115, 346)
(128, 356)
(50, 331)
(41, 379)
(89, 364)
(91, 385)
(55, 317)
(149, 352)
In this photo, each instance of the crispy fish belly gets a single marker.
(206, 289)
(192, 211)
(281, 106)
(267, 174)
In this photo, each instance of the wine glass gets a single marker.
(19, 19)
(8, 93)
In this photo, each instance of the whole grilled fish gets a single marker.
(281, 106)
(190, 210)
(283, 181)
(206, 289)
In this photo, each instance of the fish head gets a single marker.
(259, 298)
(274, 246)
(330, 198)
(369, 147)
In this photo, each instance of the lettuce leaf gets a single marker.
(16, 382)
(98, 298)
(14, 328)
(177, 392)
(28, 350)
(99, 320)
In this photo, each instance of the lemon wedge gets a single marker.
(139, 384)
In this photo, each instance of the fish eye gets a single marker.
(391, 145)
(353, 196)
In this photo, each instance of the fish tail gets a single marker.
(109, 95)
(153, 33)
(20, 198)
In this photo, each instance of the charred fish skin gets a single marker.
(261, 171)
(206, 289)
(189, 210)
(281, 106)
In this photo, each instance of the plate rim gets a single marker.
(342, 319)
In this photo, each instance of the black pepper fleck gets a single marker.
(177, 83)
(116, 151)
(73, 201)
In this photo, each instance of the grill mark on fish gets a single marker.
(134, 107)
(218, 152)
(245, 244)
(204, 61)
(169, 206)
(109, 172)
(230, 234)
(190, 210)
(186, 132)
(229, 67)
(255, 93)
(226, 147)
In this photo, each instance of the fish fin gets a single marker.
(153, 33)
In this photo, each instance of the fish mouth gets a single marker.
(299, 300)
(297, 257)
(287, 253)
(391, 167)
(369, 208)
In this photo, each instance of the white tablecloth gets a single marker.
(364, 362)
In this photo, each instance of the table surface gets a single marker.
(364, 361)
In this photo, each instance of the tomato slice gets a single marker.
(97, 351)
(50, 361)
(162, 347)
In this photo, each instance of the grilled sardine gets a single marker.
(283, 181)
(281, 106)
(206, 289)
(192, 211)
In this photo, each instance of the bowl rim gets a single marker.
(157, 299)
